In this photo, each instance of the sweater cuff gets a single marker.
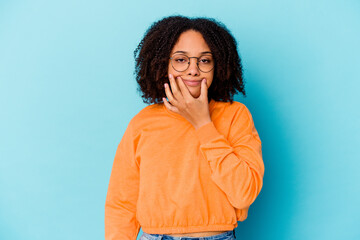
(207, 132)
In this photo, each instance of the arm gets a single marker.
(236, 163)
(120, 205)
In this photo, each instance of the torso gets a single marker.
(197, 234)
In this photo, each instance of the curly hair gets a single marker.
(153, 52)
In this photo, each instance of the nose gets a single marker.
(193, 68)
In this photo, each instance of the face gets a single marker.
(192, 44)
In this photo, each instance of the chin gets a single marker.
(195, 96)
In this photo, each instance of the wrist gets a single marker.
(198, 125)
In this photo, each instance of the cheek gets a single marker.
(170, 70)
(211, 78)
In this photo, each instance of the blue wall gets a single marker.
(67, 93)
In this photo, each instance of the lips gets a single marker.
(192, 82)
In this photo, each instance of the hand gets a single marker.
(195, 110)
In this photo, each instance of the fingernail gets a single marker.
(170, 75)
(164, 85)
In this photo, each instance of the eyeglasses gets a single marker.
(181, 62)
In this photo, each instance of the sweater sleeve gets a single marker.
(122, 194)
(236, 163)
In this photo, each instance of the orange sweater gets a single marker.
(169, 178)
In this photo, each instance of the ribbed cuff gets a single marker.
(207, 132)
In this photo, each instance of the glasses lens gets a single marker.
(206, 63)
(180, 62)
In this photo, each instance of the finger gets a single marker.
(204, 89)
(169, 94)
(184, 89)
(174, 88)
(169, 106)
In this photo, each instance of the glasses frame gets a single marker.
(197, 62)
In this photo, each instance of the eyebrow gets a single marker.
(187, 52)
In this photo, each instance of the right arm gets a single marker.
(122, 195)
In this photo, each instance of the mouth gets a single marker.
(192, 83)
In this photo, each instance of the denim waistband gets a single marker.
(229, 235)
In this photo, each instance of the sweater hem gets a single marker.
(188, 229)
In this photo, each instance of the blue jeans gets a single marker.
(229, 235)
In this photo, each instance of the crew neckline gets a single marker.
(178, 116)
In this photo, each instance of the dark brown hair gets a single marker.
(153, 52)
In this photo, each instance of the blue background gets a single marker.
(67, 93)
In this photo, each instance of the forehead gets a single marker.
(191, 42)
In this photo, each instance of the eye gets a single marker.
(205, 60)
(180, 60)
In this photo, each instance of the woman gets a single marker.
(190, 167)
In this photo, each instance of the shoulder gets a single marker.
(233, 108)
(147, 112)
(236, 113)
(144, 117)
(240, 120)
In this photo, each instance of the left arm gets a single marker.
(236, 163)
